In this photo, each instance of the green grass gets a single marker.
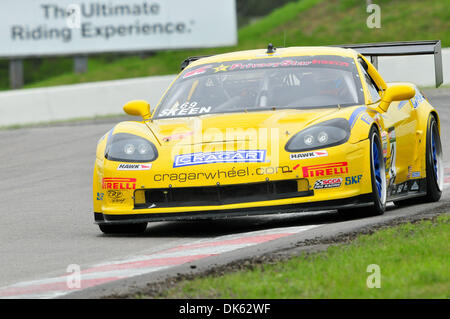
(414, 261)
(306, 22)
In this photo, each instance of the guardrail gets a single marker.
(40, 105)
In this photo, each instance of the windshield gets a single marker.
(289, 82)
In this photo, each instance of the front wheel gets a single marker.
(378, 174)
(378, 180)
(123, 229)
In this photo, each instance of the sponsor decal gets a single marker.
(417, 99)
(408, 176)
(415, 174)
(325, 169)
(177, 137)
(118, 183)
(133, 167)
(391, 134)
(306, 155)
(393, 155)
(328, 183)
(296, 166)
(116, 196)
(367, 119)
(187, 108)
(405, 187)
(384, 138)
(402, 104)
(221, 68)
(353, 180)
(200, 158)
(401, 188)
(420, 98)
(277, 64)
(197, 71)
(100, 196)
(354, 116)
(221, 174)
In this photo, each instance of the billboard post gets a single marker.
(16, 73)
(80, 64)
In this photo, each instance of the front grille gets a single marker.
(221, 194)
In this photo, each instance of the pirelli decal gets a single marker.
(330, 169)
(118, 183)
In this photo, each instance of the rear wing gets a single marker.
(374, 50)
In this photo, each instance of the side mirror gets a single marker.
(138, 108)
(396, 92)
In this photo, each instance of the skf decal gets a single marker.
(300, 156)
(200, 158)
(325, 169)
(353, 180)
(118, 183)
(328, 183)
(133, 167)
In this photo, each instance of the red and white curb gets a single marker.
(447, 176)
(144, 264)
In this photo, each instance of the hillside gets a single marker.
(306, 22)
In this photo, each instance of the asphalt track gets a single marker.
(47, 224)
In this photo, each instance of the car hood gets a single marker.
(219, 128)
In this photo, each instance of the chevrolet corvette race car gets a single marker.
(272, 131)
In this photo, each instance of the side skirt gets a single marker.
(409, 189)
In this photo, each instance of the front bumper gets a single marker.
(122, 207)
(352, 202)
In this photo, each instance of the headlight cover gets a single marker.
(325, 134)
(126, 147)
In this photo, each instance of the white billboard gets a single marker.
(71, 27)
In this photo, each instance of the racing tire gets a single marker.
(434, 167)
(378, 175)
(378, 180)
(137, 228)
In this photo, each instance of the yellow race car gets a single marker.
(269, 131)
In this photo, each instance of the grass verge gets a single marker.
(414, 262)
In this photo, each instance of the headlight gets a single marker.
(325, 134)
(130, 148)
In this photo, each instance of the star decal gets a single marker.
(221, 68)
